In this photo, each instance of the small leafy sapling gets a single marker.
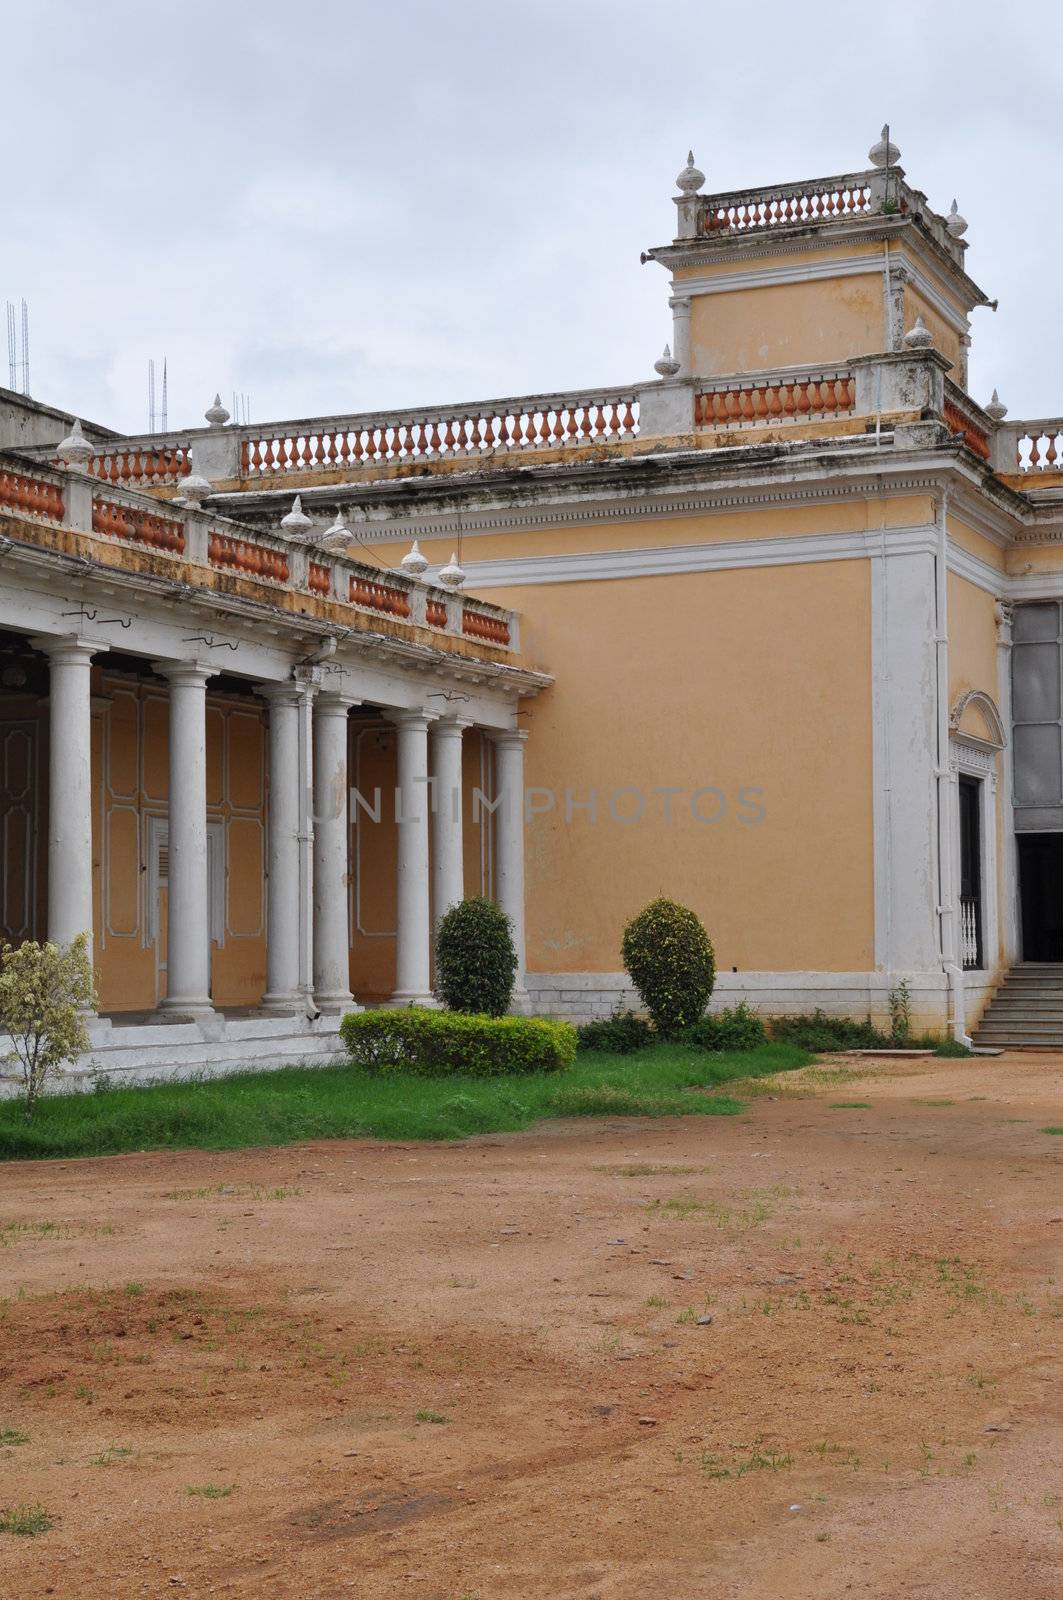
(45, 990)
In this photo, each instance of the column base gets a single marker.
(282, 1005)
(338, 1000)
(192, 1010)
(415, 997)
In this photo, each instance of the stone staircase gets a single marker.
(1026, 1010)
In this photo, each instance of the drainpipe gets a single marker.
(947, 935)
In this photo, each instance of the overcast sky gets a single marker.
(339, 206)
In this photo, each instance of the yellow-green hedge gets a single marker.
(442, 1044)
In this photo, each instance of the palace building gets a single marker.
(777, 632)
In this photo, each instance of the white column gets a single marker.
(282, 921)
(448, 860)
(188, 918)
(509, 845)
(680, 304)
(69, 787)
(413, 954)
(332, 936)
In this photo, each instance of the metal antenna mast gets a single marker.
(15, 364)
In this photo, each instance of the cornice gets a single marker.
(781, 241)
(655, 561)
(983, 516)
(638, 501)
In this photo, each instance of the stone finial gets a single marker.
(956, 224)
(216, 415)
(296, 524)
(690, 179)
(884, 153)
(337, 536)
(666, 366)
(413, 562)
(996, 408)
(75, 451)
(919, 337)
(452, 576)
(194, 488)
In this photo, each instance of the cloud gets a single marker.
(350, 205)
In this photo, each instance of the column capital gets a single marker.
(451, 725)
(413, 719)
(508, 738)
(280, 694)
(190, 673)
(64, 648)
(333, 703)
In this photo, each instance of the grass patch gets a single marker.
(28, 1521)
(431, 1416)
(13, 1436)
(760, 1459)
(341, 1102)
(113, 1453)
(850, 1105)
(211, 1491)
(1052, 1130)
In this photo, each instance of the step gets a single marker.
(1011, 1018)
(1040, 980)
(1005, 1036)
(1028, 1002)
(1018, 1043)
(1049, 984)
(1038, 1024)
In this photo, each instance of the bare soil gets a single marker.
(483, 1371)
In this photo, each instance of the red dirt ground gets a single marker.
(873, 1409)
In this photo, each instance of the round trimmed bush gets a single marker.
(669, 958)
(475, 958)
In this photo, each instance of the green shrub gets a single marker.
(817, 1031)
(948, 1047)
(442, 1044)
(669, 958)
(621, 1034)
(475, 958)
(733, 1028)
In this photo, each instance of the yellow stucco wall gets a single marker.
(747, 330)
(972, 639)
(736, 681)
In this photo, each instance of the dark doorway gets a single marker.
(971, 872)
(1041, 890)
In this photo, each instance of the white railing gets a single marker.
(970, 936)
(783, 205)
(529, 423)
(1038, 445)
